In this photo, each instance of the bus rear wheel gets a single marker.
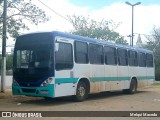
(81, 92)
(133, 87)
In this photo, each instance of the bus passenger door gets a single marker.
(64, 76)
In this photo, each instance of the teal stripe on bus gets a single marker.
(145, 77)
(99, 79)
(66, 80)
(108, 78)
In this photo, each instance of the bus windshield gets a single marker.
(33, 57)
(38, 56)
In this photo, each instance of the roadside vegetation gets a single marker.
(19, 13)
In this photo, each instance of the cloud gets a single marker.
(145, 16)
(58, 22)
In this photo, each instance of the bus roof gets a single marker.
(97, 41)
(93, 40)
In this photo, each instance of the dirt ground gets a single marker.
(146, 99)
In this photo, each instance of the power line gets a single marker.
(141, 34)
(53, 10)
(147, 35)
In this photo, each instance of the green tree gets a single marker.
(104, 30)
(9, 63)
(153, 43)
(18, 14)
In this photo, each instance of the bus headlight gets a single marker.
(46, 82)
(15, 83)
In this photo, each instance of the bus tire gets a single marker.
(133, 87)
(81, 92)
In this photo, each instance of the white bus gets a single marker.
(55, 64)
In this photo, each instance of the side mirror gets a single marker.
(56, 47)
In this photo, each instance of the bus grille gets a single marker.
(28, 90)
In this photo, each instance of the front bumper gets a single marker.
(47, 91)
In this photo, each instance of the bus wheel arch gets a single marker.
(82, 90)
(135, 78)
(133, 86)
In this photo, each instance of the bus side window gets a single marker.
(81, 52)
(110, 55)
(64, 56)
(136, 59)
(142, 59)
(96, 55)
(122, 57)
(132, 58)
(149, 61)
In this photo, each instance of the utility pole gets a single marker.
(130, 36)
(132, 5)
(4, 36)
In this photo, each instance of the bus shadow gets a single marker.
(70, 100)
(104, 95)
(46, 101)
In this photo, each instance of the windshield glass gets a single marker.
(34, 57)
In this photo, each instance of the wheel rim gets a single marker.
(81, 91)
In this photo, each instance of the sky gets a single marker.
(98, 4)
(146, 15)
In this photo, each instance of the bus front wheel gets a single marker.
(81, 92)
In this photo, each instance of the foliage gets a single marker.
(157, 73)
(104, 30)
(9, 62)
(153, 44)
(19, 13)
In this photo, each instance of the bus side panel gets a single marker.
(122, 73)
(150, 75)
(141, 75)
(65, 85)
(97, 78)
(64, 89)
(111, 77)
(82, 71)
